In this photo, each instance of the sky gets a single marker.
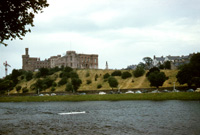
(121, 32)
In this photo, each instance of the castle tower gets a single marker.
(106, 65)
(25, 59)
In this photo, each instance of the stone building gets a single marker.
(176, 61)
(71, 59)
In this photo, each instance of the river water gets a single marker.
(101, 118)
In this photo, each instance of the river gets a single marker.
(100, 118)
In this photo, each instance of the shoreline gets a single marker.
(108, 97)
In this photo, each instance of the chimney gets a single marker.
(26, 51)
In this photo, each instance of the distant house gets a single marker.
(176, 61)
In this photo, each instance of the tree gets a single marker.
(126, 75)
(29, 75)
(39, 84)
(141, 64)
(15, 15)
(73, 74)
(106, 76)
(148, 62)
(112, 82)
(44, 72)
(76, 82)
(190, 72)
(167, 65)
(157, 78)
(152, 70)
(139, 71)
(68, 69)
(69, 87)
(62, 81)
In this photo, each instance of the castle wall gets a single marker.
(71, 59)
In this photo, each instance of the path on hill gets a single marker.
(141, 82)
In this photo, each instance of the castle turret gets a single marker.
(26, 51)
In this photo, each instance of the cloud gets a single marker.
(122, 32)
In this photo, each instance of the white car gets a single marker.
(102, 93)
(41, 95)
(53, 94)
(129, 92)
(138, 91)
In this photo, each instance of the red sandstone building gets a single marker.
(71, 59)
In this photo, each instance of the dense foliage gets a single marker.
(157, 78)
(126, 75)
(116, 73)
(139, 71)
(112, 82)
(106, 76)
(190, 73)
(15, 15)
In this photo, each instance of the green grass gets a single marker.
(112, 97)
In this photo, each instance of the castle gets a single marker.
(71, 59)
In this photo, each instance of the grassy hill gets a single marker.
(84, 75)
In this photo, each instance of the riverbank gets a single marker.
(108, 97)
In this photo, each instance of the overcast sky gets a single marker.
(121, 32)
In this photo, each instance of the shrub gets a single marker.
(87, 74)
(64, 74)
(76, 82)
(69, 87)
(106, 76)
(116, 73)
(139, 72)
(18, 88)
(99, 86)
(112, 82)
(62, 81)
(96, 76)
(73, 74)
(54, 84)
(126, 75)
(44, 72)
(25, 90)
(68, 69)
(152, 70)
(53, 89)
(89, 81)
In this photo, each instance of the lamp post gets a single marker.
(174, 85)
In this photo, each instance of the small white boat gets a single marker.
(69, 113)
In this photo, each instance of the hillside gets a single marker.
(84, 75)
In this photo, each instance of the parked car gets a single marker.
(175, 90)
(138, 91)
(41, 95)
(53, 94)
(145, 91)
(129, 92)
(197, 90)
(190, 90)
(155, 91)
(82, 93)
(102, 93)
(166, 91)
